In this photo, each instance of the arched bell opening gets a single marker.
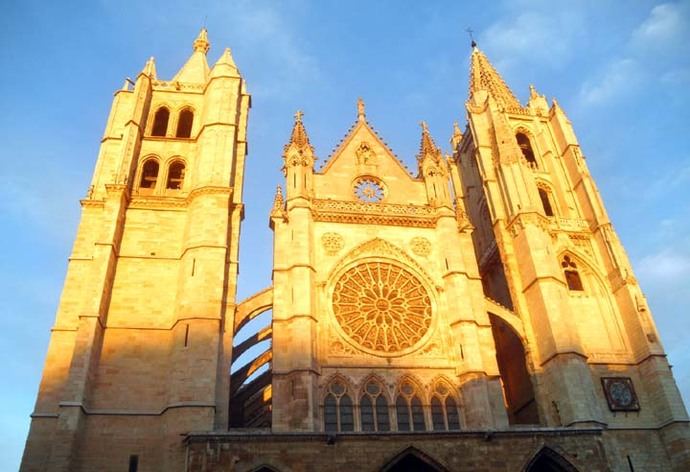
(517, 384)
(548, 460)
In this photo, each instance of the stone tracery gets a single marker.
(382, 307)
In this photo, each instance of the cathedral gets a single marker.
(476, 313)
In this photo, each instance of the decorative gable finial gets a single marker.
(361, 113)
(427, 146)
(201, 43)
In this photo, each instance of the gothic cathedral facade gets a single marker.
(476, 313)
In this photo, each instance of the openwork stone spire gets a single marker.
(483, 76)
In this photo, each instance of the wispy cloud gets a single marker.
(535, 34)
(266, 33)
(649, 50)
(665, 26)
(618, 79)
(665, 266)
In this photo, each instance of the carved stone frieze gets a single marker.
(390, 214)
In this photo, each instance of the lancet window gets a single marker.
(526, 148)
(160, 122)
(408, 408)
(444, 409)
(338, 410)
(545, 197)
(149, 174)
(175, 175)
(373, 408)
(572, 275)
(184, 123)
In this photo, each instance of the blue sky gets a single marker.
(621, 71)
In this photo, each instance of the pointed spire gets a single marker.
(299, 137)
(428, 146)
(201, 43)
(196, 68)
(150, 68)
(483, 76)
(457, 135)
(361, 112)
(225, 66)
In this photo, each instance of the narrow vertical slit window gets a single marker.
(133, 463)
(437, 417)
(546, 202)
(403, 414)
(452, 414)
(330, 414)
(418, 423)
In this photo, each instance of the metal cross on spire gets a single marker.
(470, 31)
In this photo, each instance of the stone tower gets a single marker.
(547, 250)
(139, 353)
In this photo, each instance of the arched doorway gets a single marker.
(517, 385)
(548, 460)
(412, 460)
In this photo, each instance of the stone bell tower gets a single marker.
(139, 353)
(547, 250)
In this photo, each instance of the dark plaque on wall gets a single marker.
(620, 393)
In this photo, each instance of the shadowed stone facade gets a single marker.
(477, 313)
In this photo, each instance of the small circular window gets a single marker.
(369, 190)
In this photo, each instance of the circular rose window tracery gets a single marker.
(382, 307)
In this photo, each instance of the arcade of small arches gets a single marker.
(373, 408)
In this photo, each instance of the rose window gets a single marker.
(382, 307)
(369, 190)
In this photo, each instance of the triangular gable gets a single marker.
(362, 154)
(361, 130)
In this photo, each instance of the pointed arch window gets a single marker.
(526, 148)
(160, 122)
(175, 176)
(408, 408)
(373, 408)
(444, 409)
(338, 412)
(572, 275)
(184, 123)
(545, 197)
(149, 174)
